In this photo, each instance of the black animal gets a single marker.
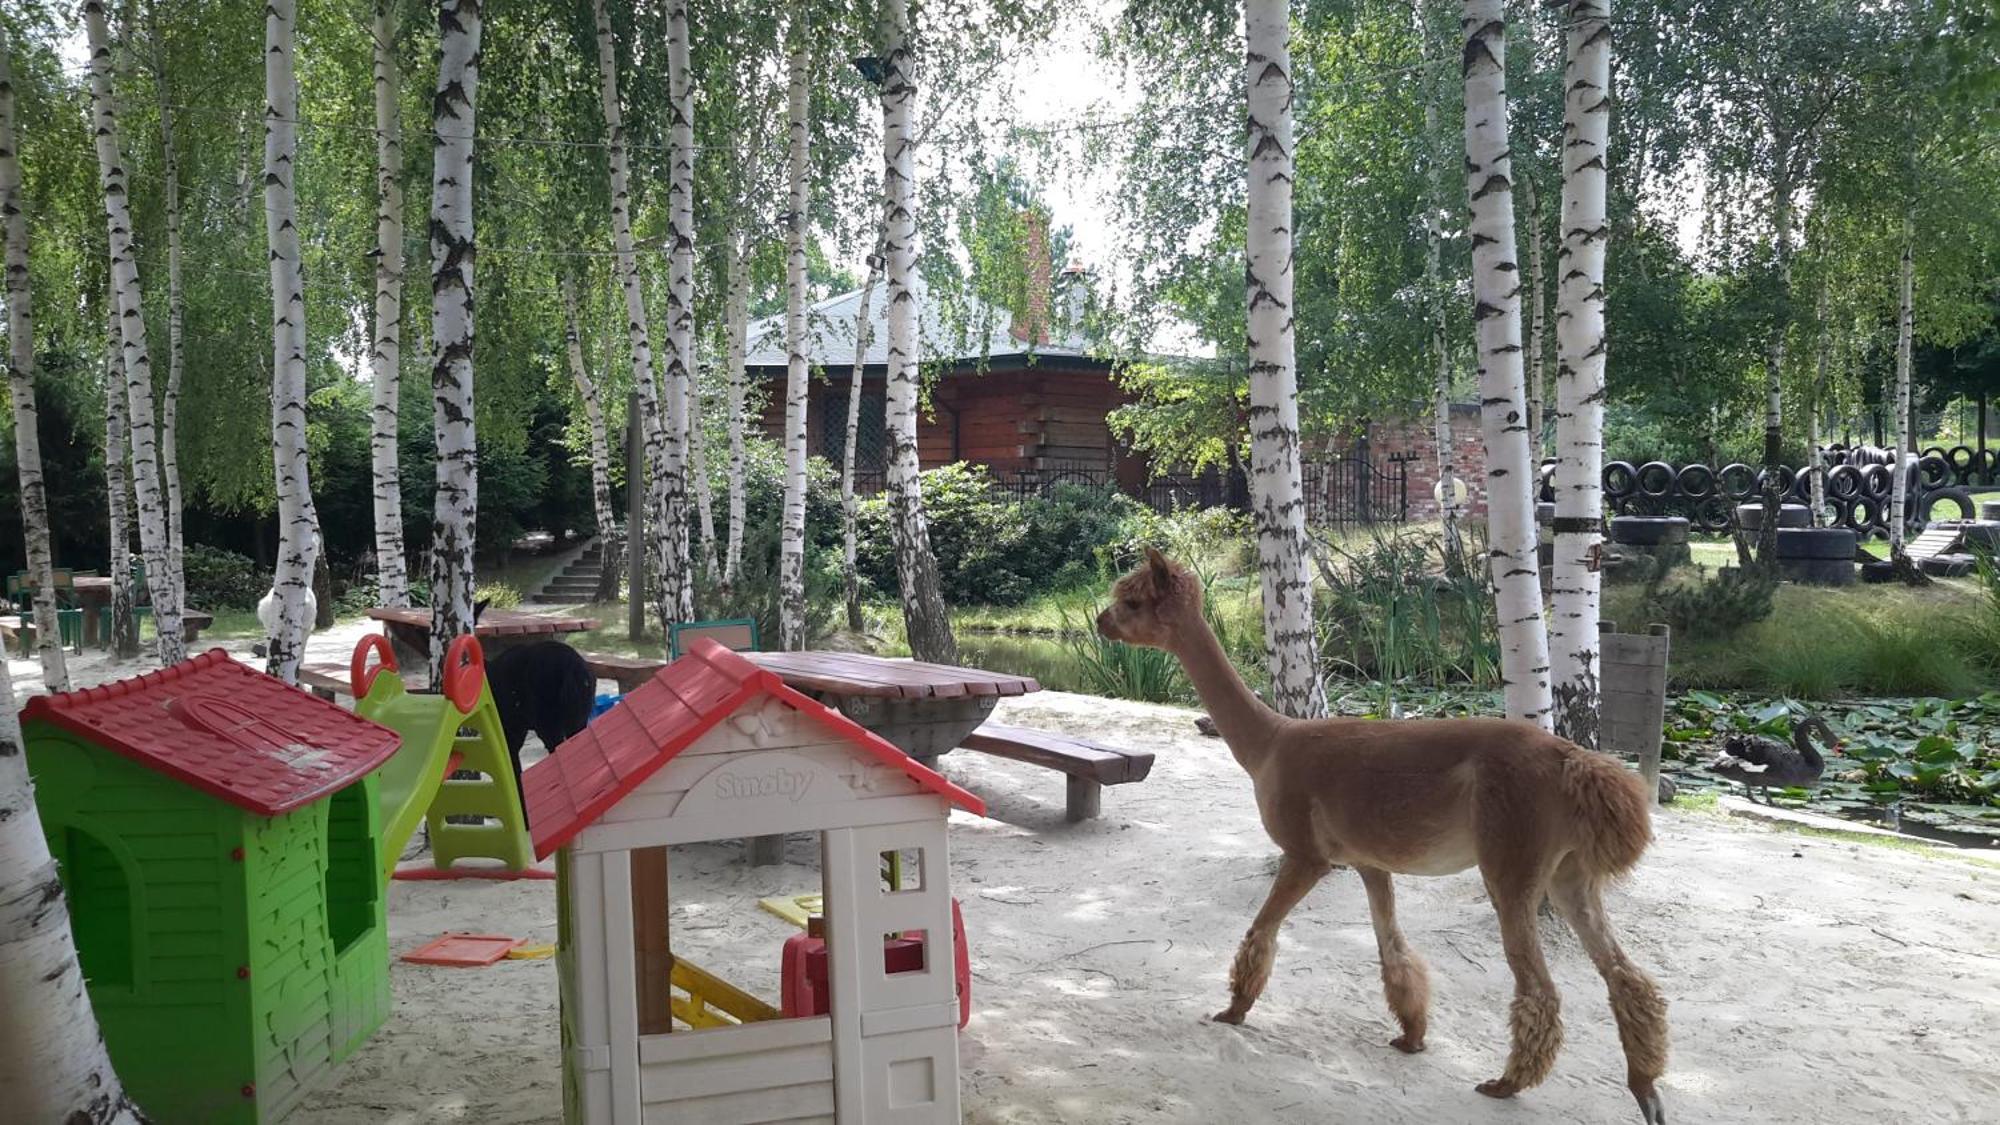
(1762, 763)
(543, 687)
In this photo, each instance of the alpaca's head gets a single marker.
(1153, 604)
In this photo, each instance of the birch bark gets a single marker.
(1277, 493)
(170, 174)
(1774, 359)
(1580, 344)
(1439, 155)
(385, 358)
(651, 427)
(138, 364)
(736, 317)
(792, 533)
(118, 485)
(21, 391)
(924, 619)
(1537, 325)
(1906, 321)
(453, 254)
(1496, 315)
(593, 409)
(677, 574)
(704, 495)
(54, 1067)
(850, 576)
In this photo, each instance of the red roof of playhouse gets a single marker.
(597, 767)
(226, 729)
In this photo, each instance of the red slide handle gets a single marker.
(359, 673)
(464, 672)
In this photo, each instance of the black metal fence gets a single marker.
(1343, 491)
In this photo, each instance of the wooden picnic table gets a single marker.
(498, 630)
(92, 593)
(924, 709)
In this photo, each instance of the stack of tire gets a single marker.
(1661, 539)
(1969, 467)
(1817, 556)
(1857, 490)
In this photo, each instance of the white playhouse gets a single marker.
(715, 748)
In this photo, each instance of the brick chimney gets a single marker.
(1032, 323)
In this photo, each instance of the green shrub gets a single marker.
(1711, 607)
(497, 595)
(1406, 607)
(219, 579)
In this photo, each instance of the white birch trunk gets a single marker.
(593, 409)
(1450, 511)
(736, 316)
(117, 485)
(924, 619)
(161, 572)
(1774, 362)
(298, 548)
(704, 495)
(1813, 457)
(1580, 344)
(1537, 325)
(1277, 492)
(651, 427)
(677, 572)
(792, 531)
(170, 458)
(849, 507)
(53, 1064)
(21, 390)
(385, 358)
(453, 252)
(1496, 315)
(1906, 321)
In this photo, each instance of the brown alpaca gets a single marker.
(1540, 817)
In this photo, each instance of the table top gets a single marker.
(90, 582)
(855, 673)
(492, 623)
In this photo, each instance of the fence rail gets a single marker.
(1344, 491)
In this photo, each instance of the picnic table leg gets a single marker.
(766, 851)
(1086, 799)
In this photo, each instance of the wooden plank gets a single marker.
(1108, 765)
(654, 959)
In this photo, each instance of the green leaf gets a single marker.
(1907, 770)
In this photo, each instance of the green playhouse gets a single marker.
(218, 836)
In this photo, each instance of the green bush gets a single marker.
(219, 579)
(1711, 607)
(1405, 607)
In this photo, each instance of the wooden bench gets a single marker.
(12, 626)
(193, 621)
(628, 671)
(1090, 766)
(328, 681)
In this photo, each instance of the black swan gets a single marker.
(1765, 763)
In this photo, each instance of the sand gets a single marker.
(1810, 980)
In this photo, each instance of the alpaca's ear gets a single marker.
(1163, 571)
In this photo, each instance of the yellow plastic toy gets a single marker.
(458, 729)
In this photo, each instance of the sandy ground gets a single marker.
(1810, 980)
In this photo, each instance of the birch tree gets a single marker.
(1277, 493)
(924, 619)
(1906, 320)
(651, 427)
(117, 486)
(385, 358)
(453, 251)
(161, 574)
(736, 326)
(792, 533)
(170, 175)
(1537, 325)
(593, 409)
(1580, 365)
(676, 572)
(21, 390)
(298, 547)
(704, 496)
(53, 1064)
(1496, 295)
(1438, 155)
(849, 508)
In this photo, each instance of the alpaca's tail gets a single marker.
(1613, 816)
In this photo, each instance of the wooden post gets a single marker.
(635, 520)
(653, 957)
(1633, 682)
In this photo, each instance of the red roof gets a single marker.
(597, 767)
(225, 729)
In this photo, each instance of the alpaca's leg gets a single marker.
(1635, 1000)
(1406, 981)
(1537, 1011)
(1253, 958)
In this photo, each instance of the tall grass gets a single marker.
(1121, 671)
(1406, 607)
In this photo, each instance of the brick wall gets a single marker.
(1416, 437)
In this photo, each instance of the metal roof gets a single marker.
(830, 334)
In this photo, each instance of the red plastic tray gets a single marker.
(464, 951)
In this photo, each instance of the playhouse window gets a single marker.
(902, 871)
(351, 874)
(100, 908)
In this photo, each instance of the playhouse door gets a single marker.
(904, 1068)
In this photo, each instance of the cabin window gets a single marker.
(100, 907)
(870, 441)
(352, 878)
(902, 871)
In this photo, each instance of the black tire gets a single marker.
(1843, 513)
(1876, 481)
(1738, 481)
(1750, 517)
(1962, 460)
(1875, 573)
(1655, 478)
(1712, 514)
(1934, 451)
(1696, 482)
(1986, 463)
(1982, 537)
(1620, 479)
(1989, 509)
(1843, 482)
(1816, 543)
(1818, 572)
(1866, 512)
(1786, 478)
(1960, 497)
(1649, 531)
(1934, 472)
